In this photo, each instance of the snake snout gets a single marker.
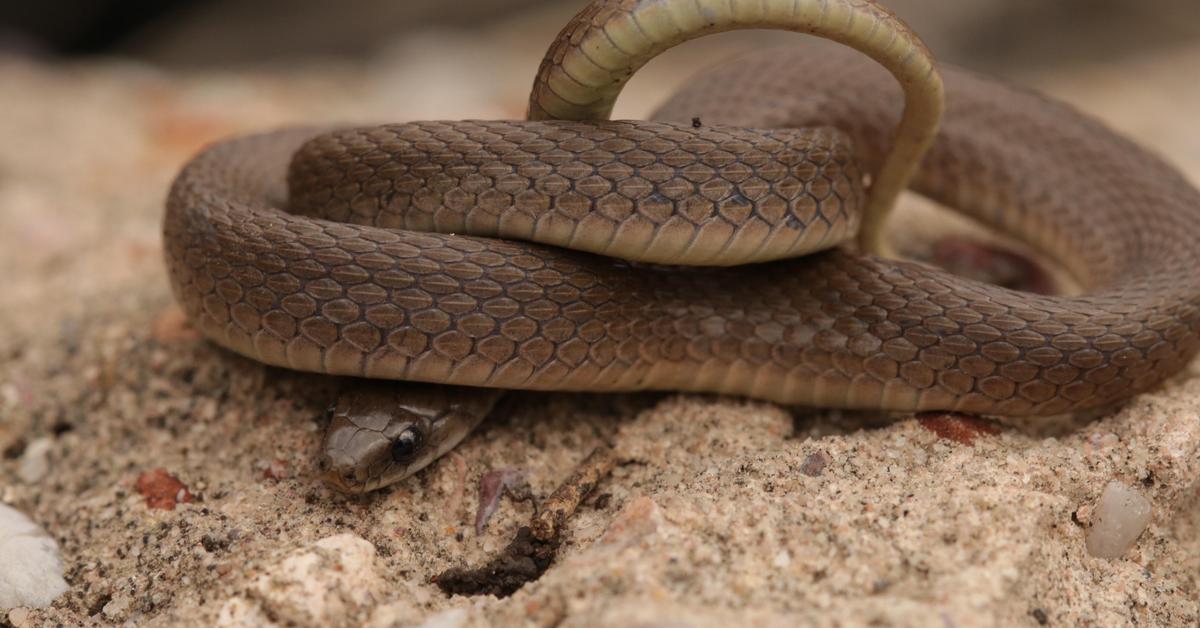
(341, 473)
(343, 480)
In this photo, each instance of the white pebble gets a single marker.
(31, 573)
(320, 585)
(1118, 518)
(449, 618)
(35, 462)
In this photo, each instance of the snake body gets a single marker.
(314, 249)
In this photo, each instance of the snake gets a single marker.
(733, 244)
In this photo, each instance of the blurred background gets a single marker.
(988, 34)
(475, 58)
(102, 101)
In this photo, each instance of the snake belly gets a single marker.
(361, 296)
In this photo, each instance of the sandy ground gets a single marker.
(731, 510)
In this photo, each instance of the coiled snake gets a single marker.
(343, 251)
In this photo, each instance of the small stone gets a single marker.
(640, 518)
(241, 611)
(35, 461)
(31, 572)
(275, 469)
(1118, 518)
(162, 490)
(449, 618)
(328, 583)
(960, 428)
(19, 617)
(9, 395)
(118, 607)
(814, 464)
(172, 326)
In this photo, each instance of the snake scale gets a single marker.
(547, 254)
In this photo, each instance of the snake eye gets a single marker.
(406, 446)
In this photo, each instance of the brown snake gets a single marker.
(333, 268)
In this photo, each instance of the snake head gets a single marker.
(382, 432)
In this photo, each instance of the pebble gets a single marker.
(35, 462)
(19, 617)
(640, 518)
(449, 618)
(814, 464)
(31, 572)
(1120, 515)
(162, 490)
(172, 326)
(118, 607)
(321, 585)
(960, 428)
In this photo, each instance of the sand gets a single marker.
(180, 481)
